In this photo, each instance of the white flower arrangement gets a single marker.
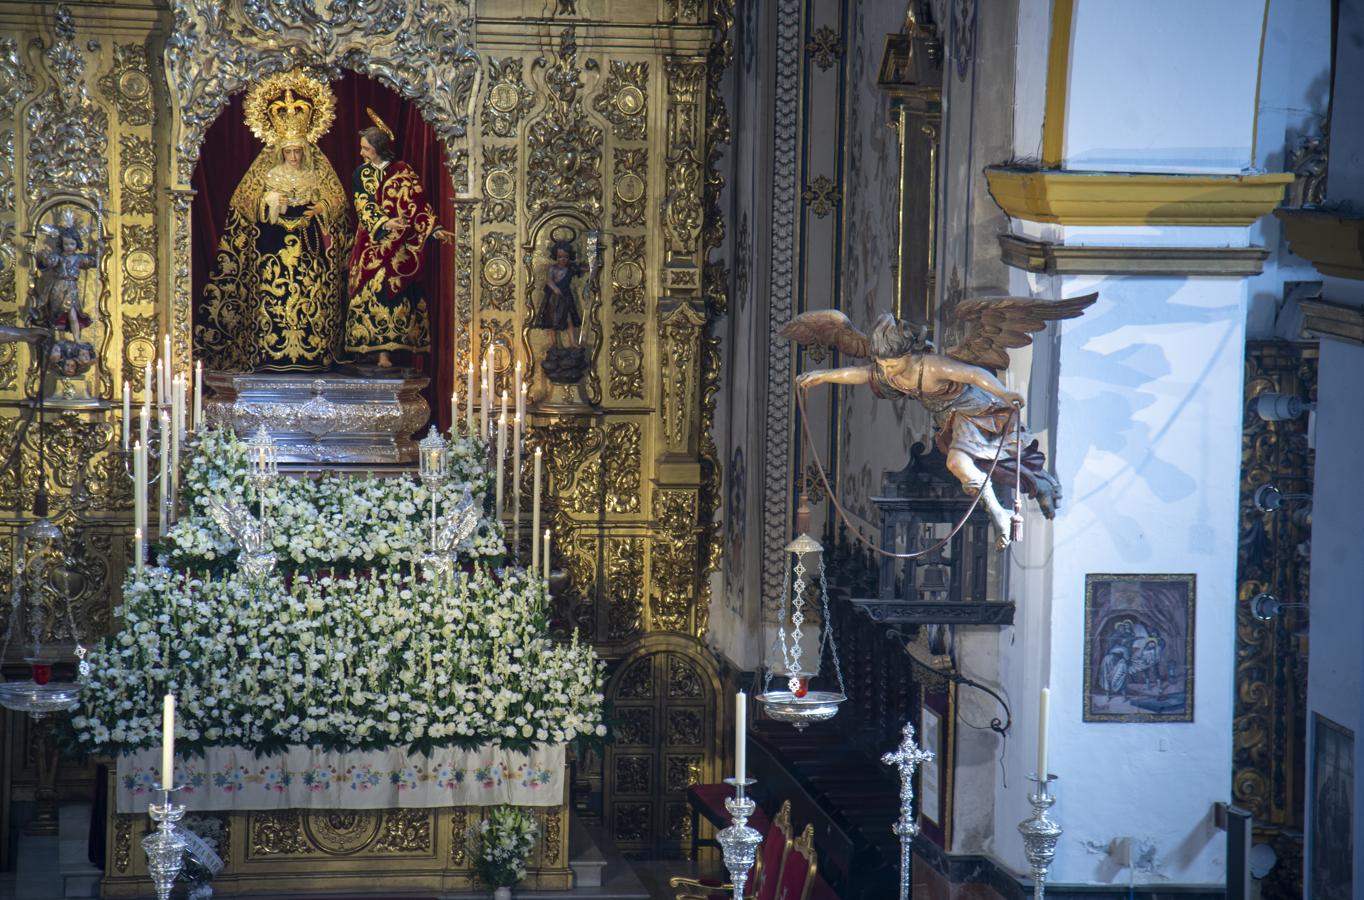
(340, 662)
(335, 522)
(502, 843)
(352, 647)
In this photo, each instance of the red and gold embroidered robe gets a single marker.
(387, 309)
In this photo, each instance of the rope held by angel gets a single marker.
(972, 410)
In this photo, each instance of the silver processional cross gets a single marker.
(906, 758)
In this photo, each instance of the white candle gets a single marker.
(168, 742)
(140, 497)
(519, 388)
(170, 368)
(182, 396)
(127, 412)
(740, 737)
(546, 557)
(147, 383)
(137, 550)
(160, 382)
(516, 483)
(177, 436)
(164, 484)
(1043, 702)
(483, 405)
(146, 419)
(199, 396)
(140, 484)
(454, 413)
(501, 460)
(469, 397)
(175, 406)
(488, 388)
(535, 513)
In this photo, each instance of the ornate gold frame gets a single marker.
(423, 49)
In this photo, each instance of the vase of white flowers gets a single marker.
(501, 846)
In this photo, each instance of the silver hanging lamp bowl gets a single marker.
(798, 705)
(39, 695)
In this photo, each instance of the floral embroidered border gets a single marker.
(233, 778)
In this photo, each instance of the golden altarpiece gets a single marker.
(603, 118)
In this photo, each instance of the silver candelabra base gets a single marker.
(739, 843)
(1040, 834)
(165, 847)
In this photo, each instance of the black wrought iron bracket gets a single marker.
(896, 615)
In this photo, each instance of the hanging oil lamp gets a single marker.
(799, 704)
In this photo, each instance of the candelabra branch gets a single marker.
(165, 847)
(1040, 834)
(739, 842)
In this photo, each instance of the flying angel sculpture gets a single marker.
(973, 413)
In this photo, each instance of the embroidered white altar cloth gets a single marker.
(233, 778)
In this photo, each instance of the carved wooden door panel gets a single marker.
(664, 705)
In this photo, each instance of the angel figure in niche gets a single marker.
(559, 313)
(973, 413)
(60, 259)
(60, 263)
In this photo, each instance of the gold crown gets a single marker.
(290, 106)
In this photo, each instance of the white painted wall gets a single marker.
(1294, 93)
(1162, 85)
(1335, 674)
(1345, 181)
(1147, 447)
(1032, 38)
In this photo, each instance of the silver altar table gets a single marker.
(328, 418)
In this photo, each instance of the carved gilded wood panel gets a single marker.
(1269, 724)
(612, 128)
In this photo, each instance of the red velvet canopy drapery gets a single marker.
(229, 148)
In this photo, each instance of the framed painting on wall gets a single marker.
(1139, 650)
(937, 735)
(1332, 802)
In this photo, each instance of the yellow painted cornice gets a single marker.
(1332, 242)
(1322, 319)
(1104, 198)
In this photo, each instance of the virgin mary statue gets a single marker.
(274, 299)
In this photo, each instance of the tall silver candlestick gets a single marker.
(165, 847)
(739, 843)
(1040, 834)
(907, 758)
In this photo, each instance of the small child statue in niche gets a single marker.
(60, 262)
(559, 308)
(55, 304)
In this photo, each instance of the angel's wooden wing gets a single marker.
(995, 325)
(830, 328)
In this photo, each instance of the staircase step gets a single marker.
(584, 857)
(79, 878)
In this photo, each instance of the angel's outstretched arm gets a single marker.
(964, 373)
(845, 375)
